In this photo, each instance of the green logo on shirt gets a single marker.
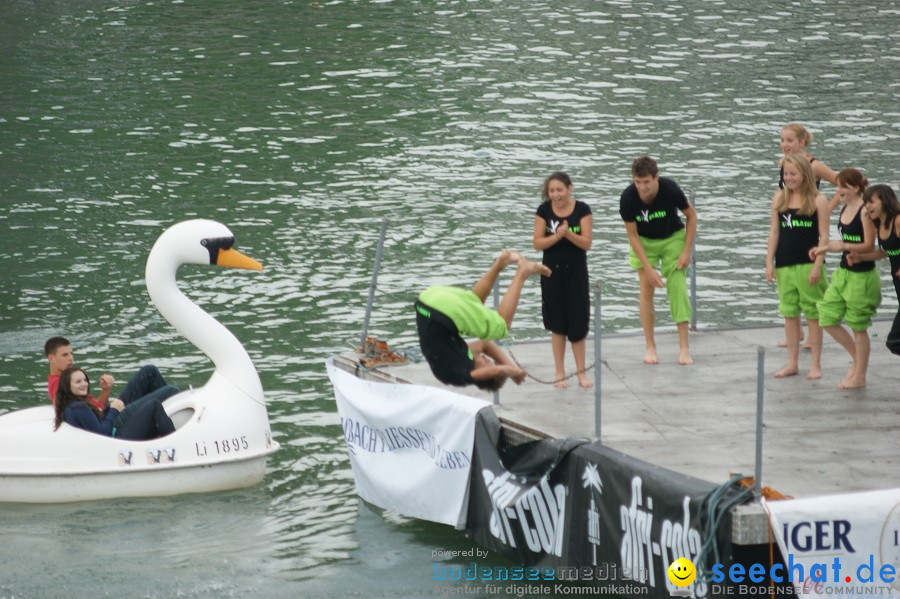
(789, 222)
(646, 216)
(551, 229)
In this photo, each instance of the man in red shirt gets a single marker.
(59, 354)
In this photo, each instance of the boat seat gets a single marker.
(181, 416)
(181, 408)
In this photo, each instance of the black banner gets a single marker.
(585, 511)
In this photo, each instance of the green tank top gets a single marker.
(471, 317)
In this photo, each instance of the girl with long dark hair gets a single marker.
(147, 419)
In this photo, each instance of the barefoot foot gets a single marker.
(508, 257)
(786, 371)
(814, 374)
(684, 358)
(650, 357)
(560, 383)
(533, 268)
(854, 383)
(585, 382)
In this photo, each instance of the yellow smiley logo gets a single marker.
(682, 572)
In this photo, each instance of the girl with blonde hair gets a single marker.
(798, 225)
(795, 139)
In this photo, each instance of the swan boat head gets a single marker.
(205, 242)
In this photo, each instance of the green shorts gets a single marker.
(853, 297)
(665, 252)
(795, 295)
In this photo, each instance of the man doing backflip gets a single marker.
(657, 235)
(444, 315)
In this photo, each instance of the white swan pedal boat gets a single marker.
(222, 436)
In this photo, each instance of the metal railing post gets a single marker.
(365, 330)
(597, 357)
(496, 306)
(693, 274)
(760, 391)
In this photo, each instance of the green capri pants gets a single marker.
(853, 297)
(667, 251)
(795, 295)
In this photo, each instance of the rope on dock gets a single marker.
(554, 381)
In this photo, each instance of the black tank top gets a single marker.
(798, 234)
(781, 175)
(564, 251)
(853, 233)
(891, 247)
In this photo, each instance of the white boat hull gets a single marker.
(220, 448)
(66, 488)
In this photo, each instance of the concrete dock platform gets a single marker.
(701, 419)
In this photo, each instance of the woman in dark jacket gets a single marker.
(147, 419)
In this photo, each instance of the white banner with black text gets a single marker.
(410, 445)
(846, 545)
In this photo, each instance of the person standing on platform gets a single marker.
(855, 291)
(798, 225)
(795, 139)
(883, 208)
(444, 315)
(658, 237)
(563, 230)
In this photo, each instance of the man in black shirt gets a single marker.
(658, 237)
